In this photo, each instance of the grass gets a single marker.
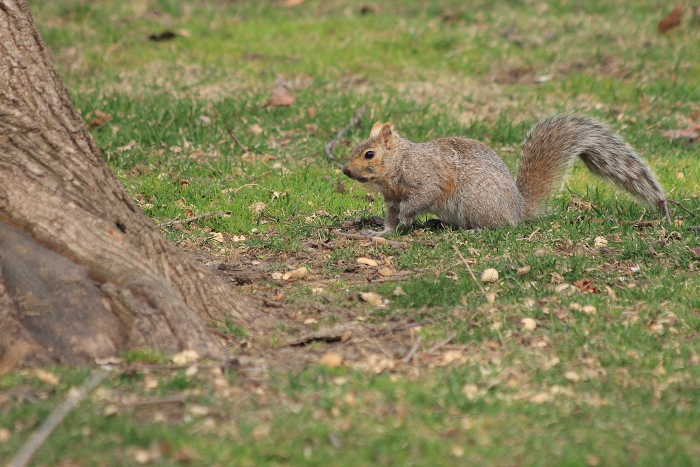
(615, 387)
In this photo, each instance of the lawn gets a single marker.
(585, 350)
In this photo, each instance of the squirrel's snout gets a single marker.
(358, 175)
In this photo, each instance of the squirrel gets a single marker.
(468, 185)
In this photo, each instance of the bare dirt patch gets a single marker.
(312, 317)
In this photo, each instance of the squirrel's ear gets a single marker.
(375, 130)
(387, 136)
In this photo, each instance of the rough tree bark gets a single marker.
(83, 272)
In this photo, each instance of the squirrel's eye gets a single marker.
(369, 154)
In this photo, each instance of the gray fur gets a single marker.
(466, 184)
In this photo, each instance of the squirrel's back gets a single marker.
(477, 190)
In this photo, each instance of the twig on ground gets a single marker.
(206, 215)
(639, 223)
(469, 269)
(403, 327)
(442, 343)
(247, 185)
(327, 335)
(679, 205)
(409, 356)
(399, 276)
(172, 366)
(233, 135)
(163, 400)
(56, 417)
(332, 144)
(376, 240)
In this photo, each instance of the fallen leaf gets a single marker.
(257, 207)
(377, 364)
(296, 274)
(491, 297)
(387, 272)
(372, 298)
(399, 292)
(556, 278)
(128, 146)
(163, 36)
(310, 321)
(456, 450)
(255, 129)
(184, 357)
(47, 377)
(470, 391)
(110, 410)
(280, 97)
(367, 261)
(453, 356)
(695, 251)
(216, 237)
(141, 456)
(100, 119)
(599, 242)
(528, 324)
(185, 454)
(379, 240)
(592, 461)
(368, 8)
(220, 384)
(586, 285)
(290, 3)
(541, 398)
(113, 360)
(199, 410)
(572, 376)
(4, 435)
(672, 20)
(150, 382)
(589, 309)
(489, 275)
(523, 270)
(687, 133)
(331, 360)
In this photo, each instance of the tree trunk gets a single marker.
(83, 272)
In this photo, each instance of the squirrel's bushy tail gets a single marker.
(551, 147)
